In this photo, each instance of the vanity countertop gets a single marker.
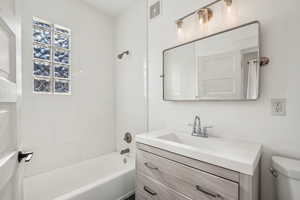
(235, 155)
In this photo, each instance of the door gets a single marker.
(219, 76)
(218, 69)
(10, 93)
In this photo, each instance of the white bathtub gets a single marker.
(104, 178)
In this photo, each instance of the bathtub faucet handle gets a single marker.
(128, 138)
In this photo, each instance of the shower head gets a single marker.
(121, 55)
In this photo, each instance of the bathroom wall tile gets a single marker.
(130, 83)
(45, 133)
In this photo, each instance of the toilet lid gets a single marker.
(287, 167)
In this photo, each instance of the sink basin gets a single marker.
(197, 142)
(236, 155)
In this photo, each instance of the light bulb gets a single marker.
(179, 30)
(228, 5)
(179, 24)
(202, 16)
(229, 9)
(201, 20)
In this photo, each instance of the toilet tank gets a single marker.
(287, 173)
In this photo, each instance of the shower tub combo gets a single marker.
(108, 177)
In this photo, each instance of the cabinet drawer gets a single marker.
(191, 182)
(140, 196)
(211, 169)
(148, 189)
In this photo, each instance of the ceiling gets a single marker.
(110, 7)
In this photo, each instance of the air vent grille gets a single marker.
(155, 10)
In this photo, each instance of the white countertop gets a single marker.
(235, 155)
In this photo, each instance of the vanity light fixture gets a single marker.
(204, 14)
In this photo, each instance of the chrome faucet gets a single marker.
(197, 126)
(197, 130)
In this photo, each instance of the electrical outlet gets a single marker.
(155, 9)
(278, 107)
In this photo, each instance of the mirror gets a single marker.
(222, 66)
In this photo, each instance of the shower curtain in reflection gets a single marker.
(253, 76)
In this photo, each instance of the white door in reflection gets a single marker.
(219, 76)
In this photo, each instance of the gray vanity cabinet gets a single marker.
(162, 175)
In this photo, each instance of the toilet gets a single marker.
(287, 174)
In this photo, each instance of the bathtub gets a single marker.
(104, 178)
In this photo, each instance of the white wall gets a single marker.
(130, 71)
(250, 121)
(62, 130)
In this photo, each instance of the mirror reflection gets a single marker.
(224, 66)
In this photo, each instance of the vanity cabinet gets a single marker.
(162, 175)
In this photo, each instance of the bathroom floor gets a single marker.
(131, 198)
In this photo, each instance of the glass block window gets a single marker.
(61, 40)
(42, 68)
(61, 56)
(42, 85)
(61, 71)
(51, 58)
(42, 52)
(61, 86)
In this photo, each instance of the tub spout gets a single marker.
(124, 151)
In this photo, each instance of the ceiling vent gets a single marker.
(155, 9)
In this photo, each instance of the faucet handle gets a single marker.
(205, 132)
